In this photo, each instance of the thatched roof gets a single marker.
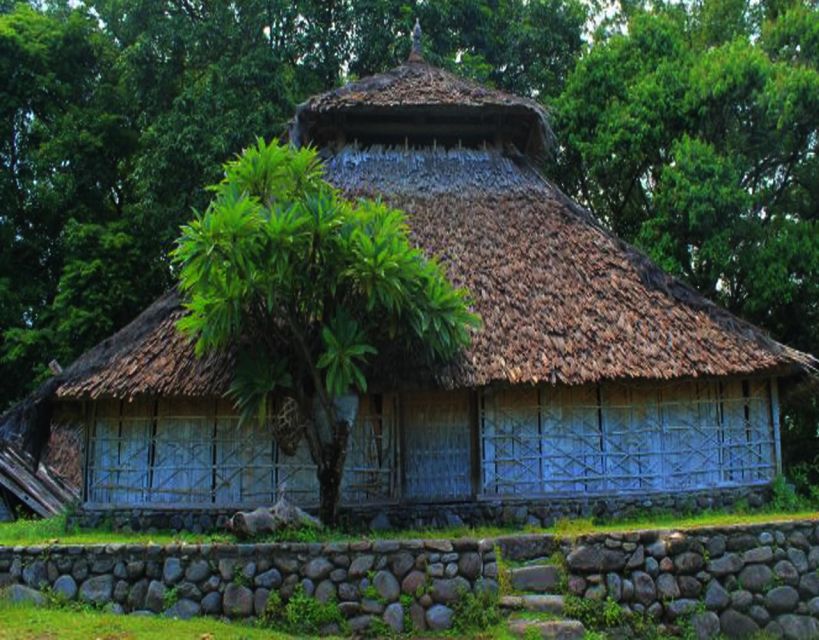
(422, 97)
(561, 300)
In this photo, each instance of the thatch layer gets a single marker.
(560, 298)
(418, 87)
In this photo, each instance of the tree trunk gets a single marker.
(329, 473)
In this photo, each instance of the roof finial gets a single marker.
(415, 53)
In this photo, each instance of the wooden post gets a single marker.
(90, 423)
(773, 390)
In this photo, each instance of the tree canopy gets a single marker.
(310, 286)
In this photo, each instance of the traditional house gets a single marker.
(595, 375)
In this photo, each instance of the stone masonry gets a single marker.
(733, 580)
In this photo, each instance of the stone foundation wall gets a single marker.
(734, 580)
(535, 512)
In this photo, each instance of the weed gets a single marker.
(170, 598)
(476, 611)
(504, 575)
(302, 614)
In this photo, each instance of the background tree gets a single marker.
(693, 133)
(309, 285)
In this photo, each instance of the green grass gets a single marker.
(52, 530)
(18, 622)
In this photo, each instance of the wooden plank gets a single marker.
(437, 440)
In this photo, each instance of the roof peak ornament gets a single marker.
(415, 53)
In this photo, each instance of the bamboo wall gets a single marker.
(516, 442)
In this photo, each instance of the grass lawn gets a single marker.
(52, 530)
(18, 622)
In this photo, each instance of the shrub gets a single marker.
(476, 611)
(301, 615)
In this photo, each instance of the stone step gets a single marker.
(534, 602)
(548, 629)
(539, 577)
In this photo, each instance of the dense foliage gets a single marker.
(690, 129)
(310, 286)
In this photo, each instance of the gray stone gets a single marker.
(155, 596)
(387, 586)
(628, 590)
(121, 589)
(347, 592)
(260, 597)
(270, 579)
(796, 627)
(689, 562)
(655, 611)
(135, 569)
(758, 554)
(35, 575)
(756, 577)
(741, 600)
(197, 571)
(786, 572)
(172, 571)
(97, 590)
(338, 575)
(667, 588)
(237, 601)
(809, 585)
(540, 578)
(20, 594)
(759, 614)
(557, 629)
(66, 587)
(614, 586)
(308, 586)
(737, 625)
(637, 558)
(652, 567)
(439, 617)
(813, 558)
(781, 599)
(136, 595)
(813, 607)
(212, 603)
(418, 617)
(227, 568)
(645, 591)
(595, 558)
(318, 568)
(451, 570)
(361, 566)
(799, 559)
(715, 546)
(401, 563)
(370, 605)
(360, 624)
(680, 607)
(325, 591)
(729, 563)
(705, 625)
(449, 590)
(470, 565)
(690, 587)
(412, 582)
(658, 549)
(394, 617)
(716, 597)
(183, 609)
(596, 592)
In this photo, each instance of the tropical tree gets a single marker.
(307, 286)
